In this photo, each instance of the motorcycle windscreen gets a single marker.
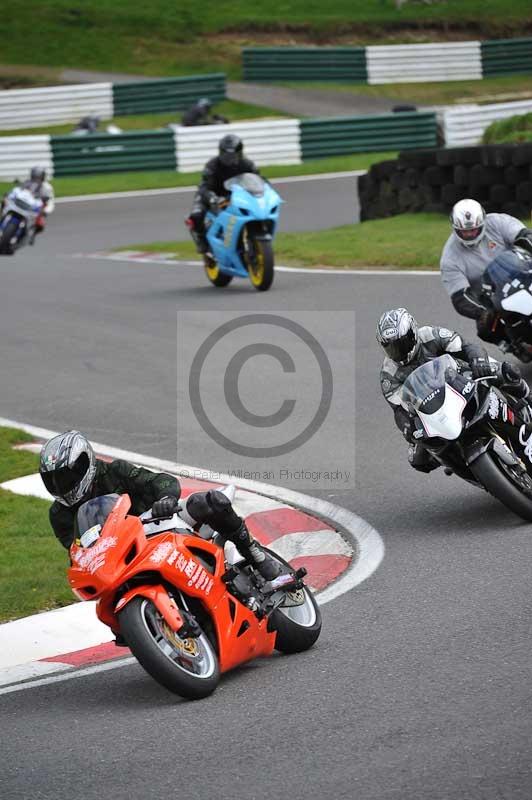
(519, 302)
(446, 422)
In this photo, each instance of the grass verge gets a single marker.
(137, 181)
(412, 241)
(163, 38)
(488, 90)
(232, 109)
(33, 564)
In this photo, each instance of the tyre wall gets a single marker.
(498, 176)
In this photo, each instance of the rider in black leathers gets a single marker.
(73, 475)
(229, 162)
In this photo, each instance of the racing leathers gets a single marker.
(150, 490)
(215, 173)
(434, 342)
(462, 269)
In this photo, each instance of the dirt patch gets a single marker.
(279, 34)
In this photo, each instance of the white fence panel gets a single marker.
(53, 105)
(464, 125)
(18, 154)
(265, 142)
(422, 63)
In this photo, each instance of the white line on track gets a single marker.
(83, 198)
(67, 676)
(172, 262)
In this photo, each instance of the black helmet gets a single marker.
(398, 335)
(230, 148)
(38, 174)
(68, 467)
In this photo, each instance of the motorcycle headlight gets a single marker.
(244, 211)
(274, 210)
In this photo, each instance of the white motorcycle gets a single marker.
(473, 430)
(19, 214)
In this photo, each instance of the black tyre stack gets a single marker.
(498, 176)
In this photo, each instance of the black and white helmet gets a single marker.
(398, 335)
(38, 174)
(468, 219)
(68, 467)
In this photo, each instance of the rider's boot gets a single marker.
(215, 509)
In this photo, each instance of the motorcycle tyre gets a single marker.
(6, 247)
(490, 475)
(261, 273)
(143, 646)
(213, 273)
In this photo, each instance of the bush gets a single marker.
(512, 129)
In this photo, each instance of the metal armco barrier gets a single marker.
(27, 108)
(169, 94)
(412, 63)
(342, 135)
(304, 63)
(506, 56)
(405, 63)
(465, 125)
(266, 142)
(86, 155)
(18, 154)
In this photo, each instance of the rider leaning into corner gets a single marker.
(407, 347)
(476, 239)
(229, 162)
(43, 190)
(72, 474)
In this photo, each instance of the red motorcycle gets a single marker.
(187, 608)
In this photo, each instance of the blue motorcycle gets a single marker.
(240, 232)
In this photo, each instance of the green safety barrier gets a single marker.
(341, 135)
(168, 94)
(506, 56)
(305, 64)
(87, 155)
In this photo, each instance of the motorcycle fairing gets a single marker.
(519, 302)
(446, 422)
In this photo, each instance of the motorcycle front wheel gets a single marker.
(187, 667)
(260, 262)
(7, 235)
(216, 277)
(512, 485)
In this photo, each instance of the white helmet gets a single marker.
(468, 219)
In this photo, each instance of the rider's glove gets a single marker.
(212, 199)
(165, 507)
(481, 367)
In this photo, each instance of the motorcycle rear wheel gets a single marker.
(513, 489)
(260, 264)
(5, 241)
(297, 628)
(187, 667)
(216, 277)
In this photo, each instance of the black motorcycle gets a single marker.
(508, 283)
(473, 430)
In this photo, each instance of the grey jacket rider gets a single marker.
(462, 267)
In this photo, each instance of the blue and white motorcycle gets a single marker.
(17, 224)
(240, 232)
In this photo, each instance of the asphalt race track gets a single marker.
(419, 687)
